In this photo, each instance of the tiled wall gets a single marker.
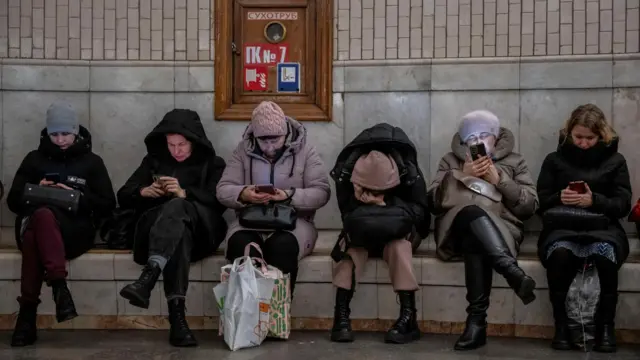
(364, 29)
(392, 29)
(107, 29)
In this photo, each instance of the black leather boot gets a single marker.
(406, 328)
(478, 280)
(341, 331)
(25, 332)
(139, 292)
(503, 262)
(65, 308)
(561, 339)
(605, 324)
(179, 334)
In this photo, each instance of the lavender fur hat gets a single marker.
(477, 122)
(268, 119)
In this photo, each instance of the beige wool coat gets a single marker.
(519, 196)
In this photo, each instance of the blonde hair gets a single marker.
(591, 117)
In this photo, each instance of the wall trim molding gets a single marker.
(336, 63)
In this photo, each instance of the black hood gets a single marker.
(80, 147)
(591, 157)
(179, 121)
(383, 137)
(380, 134)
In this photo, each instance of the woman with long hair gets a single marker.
(584, 188)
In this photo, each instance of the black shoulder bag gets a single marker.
(574, 218)
(275, 215)
(37, 195)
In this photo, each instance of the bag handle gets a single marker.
(247, 248)
(287, 200)
(260, 260)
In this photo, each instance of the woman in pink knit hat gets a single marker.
(383, 202)
(481, 194)
(274, 151)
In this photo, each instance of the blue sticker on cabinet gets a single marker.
(288, 77)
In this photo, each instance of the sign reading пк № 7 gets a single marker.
(265, 54)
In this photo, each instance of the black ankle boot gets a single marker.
(139, 292)
(25, 332)
(503, 261)
(605, 324)
(341, 331)
(478, 280)
(65, 308)
(406, 328)
(179, 335)
(561, 339)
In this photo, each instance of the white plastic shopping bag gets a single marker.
(245, 308)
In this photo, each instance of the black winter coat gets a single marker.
(203, 164)
(97, 200)
(605, 170)
(406, 203)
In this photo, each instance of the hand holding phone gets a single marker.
(266, 188)
(578, 186)
(53, 177)
(477, 151)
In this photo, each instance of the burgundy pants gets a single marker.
(43, 255)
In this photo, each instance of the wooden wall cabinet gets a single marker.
(257, 46)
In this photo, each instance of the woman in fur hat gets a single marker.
(480, 202)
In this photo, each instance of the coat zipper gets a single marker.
(271, 175)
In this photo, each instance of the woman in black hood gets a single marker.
(49, 235)
(586, 174)
(174, 191)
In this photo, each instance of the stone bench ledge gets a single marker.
(101, 265)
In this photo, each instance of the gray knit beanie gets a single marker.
(62, 118)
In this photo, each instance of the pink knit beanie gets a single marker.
(375, 171)
(268, 120)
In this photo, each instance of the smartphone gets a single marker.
(578, 186)
(266, 188)
(477, 151)
(54, 177)
(156, 177)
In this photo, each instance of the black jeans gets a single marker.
(562, 267)
(171, 239)
(281, 250)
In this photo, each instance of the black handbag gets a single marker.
(275, 215)
(574, 218)
(37, 195)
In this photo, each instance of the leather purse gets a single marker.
(37, 195)
(275, 215)
(574, 218)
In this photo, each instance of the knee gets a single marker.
(42, 213)
(605, 265)
(472, 212)
(237, 243)
(281, 250)
(560, 256)
(400, 249)
(176, 204)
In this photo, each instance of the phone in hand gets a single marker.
(578, 186)
(53, 177)
(477, 151)
(156, 178)
(266, 188)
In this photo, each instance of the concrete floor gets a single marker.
(153, 345)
